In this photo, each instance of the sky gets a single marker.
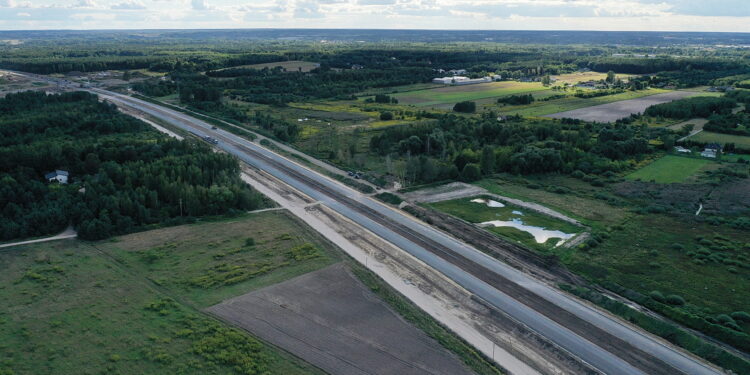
(625, 15)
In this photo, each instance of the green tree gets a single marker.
(611, 77)
(471, 172)
(465, 107)
(487, 161)
(386, 116)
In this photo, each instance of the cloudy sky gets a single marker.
(657, 15)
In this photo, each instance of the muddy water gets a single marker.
(540, 234)
(488, 202)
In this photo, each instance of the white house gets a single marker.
(711, 150)
(58, 175)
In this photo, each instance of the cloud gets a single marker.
(376, 2)
(199, 5)
(307, 9)
(129, 5)
(671, 15)
(84, 4)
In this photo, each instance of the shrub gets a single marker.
(674, 299)
(656, 296)
(741, 316)
(249, 242)
(577, 174)
(386, 116)
(724, 319)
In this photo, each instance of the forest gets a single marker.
(122, 174)
(469, 148)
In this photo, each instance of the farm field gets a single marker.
(444, 97)
(572, 103)
(574, 78)
(670, 169)
(483, 209)
(312, 316)
(289, 66)
(710, 137)
(75, 308)
(620, 109)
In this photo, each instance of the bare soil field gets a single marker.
(332, 320)
(614, 111)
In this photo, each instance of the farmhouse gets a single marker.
(58, 175)
(711, 150)
(682, 149)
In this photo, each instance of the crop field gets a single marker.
(289, 66)
(620, 109)
(476, 212)
(571, 103)
(710, 137)
(671, 168)
(71, 307)
(445, 97)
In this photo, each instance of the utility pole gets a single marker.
(180, 207)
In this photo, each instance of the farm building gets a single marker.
(460, 80)
(58, 175)
(711, 150)
(682, 149)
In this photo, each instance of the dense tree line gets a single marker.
(123, 175)
(737, 124)
(692, 107)
(516, 99)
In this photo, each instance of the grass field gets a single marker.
(449, 95)
(589, 211)
(541, 108)
(131, 305)
(669, 169)
(643, 255)
(710, 137)
(205, 264)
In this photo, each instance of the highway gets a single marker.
(456, 260)
(603, 342)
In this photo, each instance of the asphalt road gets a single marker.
(599, 358)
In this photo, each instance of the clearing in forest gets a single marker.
(669, 169)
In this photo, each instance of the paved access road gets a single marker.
(482, 275)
